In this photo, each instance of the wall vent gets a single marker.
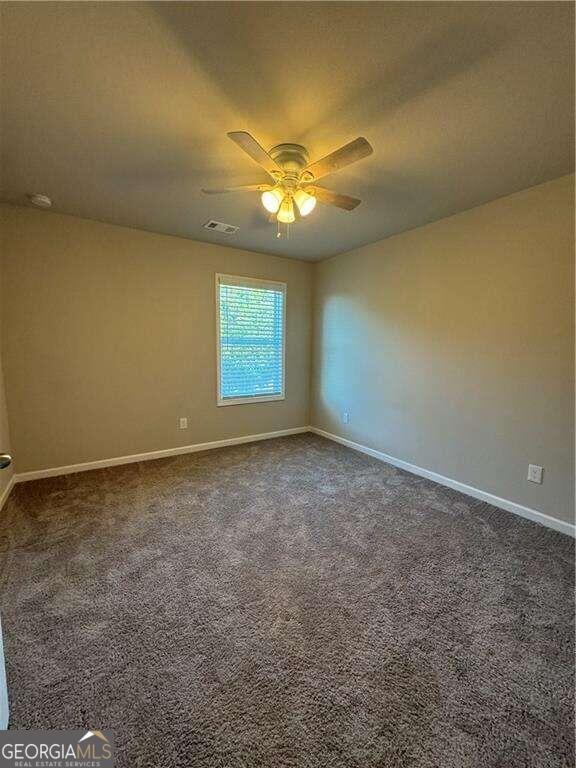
(219, 226)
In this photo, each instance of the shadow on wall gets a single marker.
(339, 327)
(395, 333)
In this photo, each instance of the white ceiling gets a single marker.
(119, 111)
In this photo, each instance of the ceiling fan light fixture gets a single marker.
(272, 199)
(286, 212)
(305, 202)
(293, 179)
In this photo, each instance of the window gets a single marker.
(250, 322)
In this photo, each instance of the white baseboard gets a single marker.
(85, 467)
(490, 498)
(6, 491)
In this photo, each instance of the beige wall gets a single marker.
(5, 444)
(451, 346)
(109, 337)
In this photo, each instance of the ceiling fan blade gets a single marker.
(243, 188)
(248, 143)
(334, 198)
(349, 153)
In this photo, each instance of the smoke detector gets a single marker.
(40, 201)
(219, 226)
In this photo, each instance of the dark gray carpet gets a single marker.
(287, 603)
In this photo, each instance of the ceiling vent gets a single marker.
(219, 226)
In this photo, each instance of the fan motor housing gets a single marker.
(291, 157)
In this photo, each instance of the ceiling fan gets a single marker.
(294, 177)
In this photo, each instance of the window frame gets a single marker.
(256, 283)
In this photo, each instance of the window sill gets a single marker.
(247, 400)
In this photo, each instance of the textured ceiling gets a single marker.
(119, 111)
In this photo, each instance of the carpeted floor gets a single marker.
(287, 603)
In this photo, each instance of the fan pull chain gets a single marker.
(283, 232)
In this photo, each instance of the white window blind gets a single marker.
(250, 326)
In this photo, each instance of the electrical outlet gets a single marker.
(535, 473)
(345, 417)
(183, 423)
